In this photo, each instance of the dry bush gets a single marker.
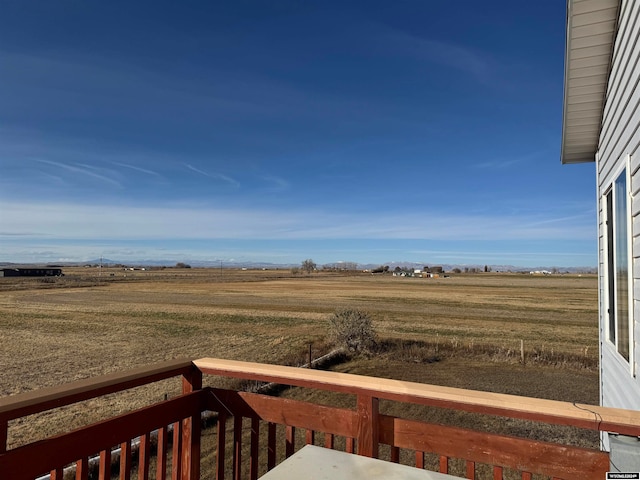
(353, 330)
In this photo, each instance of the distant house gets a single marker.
(434, 270)
(31, 272)
(601, 123)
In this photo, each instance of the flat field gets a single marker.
(464, 331)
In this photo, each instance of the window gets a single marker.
(618, 265)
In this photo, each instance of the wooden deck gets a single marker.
(254, 432)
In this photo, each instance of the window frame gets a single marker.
(611, 237)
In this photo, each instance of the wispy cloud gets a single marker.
(276, 183)
(139, 169)
(513, 161)
(215, 176)
(82, 169)
(460, 57)
(74, 221)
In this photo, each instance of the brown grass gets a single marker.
(81, 325)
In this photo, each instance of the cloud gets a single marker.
(101, 222)
(460, 57)
(139, 169)
(276, 183)
(215, 176)
(82, 169)
(510, 162)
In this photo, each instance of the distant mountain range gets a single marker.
(271, 266)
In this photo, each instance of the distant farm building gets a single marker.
(31, 272)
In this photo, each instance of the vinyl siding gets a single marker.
(619, 141)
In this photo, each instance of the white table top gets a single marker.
(317, 463)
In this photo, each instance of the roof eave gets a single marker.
(590, 37)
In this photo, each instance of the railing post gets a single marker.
(368, 426)
(191, 430)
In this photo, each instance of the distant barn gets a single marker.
(31, 272)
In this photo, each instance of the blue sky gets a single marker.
(277, 131)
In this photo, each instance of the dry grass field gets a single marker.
(461, 331)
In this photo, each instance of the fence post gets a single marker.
(368, 427)
(191, 427)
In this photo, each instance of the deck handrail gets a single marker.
(363, 429)
(43, 399)
(36, 457)
(586, 416)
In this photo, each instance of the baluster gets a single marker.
(349, 445)
(125, 460)
(237, 447)
(4, 433)
(419, 459)
(471, 470)
(310, 437)
(57, 474)
(161, 457)
(290, 441)
(497, 473)
(444, 464)
(255, 445)
(271, 446)
(82, 469)
(329, 440)
(526, 476)
(220, 457)
(105, 465)
(143, 455)
(176, 457)
(395, 454)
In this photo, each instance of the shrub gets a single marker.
(352, 329)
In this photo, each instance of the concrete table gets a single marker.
(317, 463)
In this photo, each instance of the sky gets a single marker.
(253, 131)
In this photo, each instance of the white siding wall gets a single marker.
(620, 141)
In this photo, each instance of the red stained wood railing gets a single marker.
(47, 398)
(263, 429)
(447, 442)
(29, 461)
(364, 429)
(53, 454)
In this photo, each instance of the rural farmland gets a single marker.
(464, 331)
